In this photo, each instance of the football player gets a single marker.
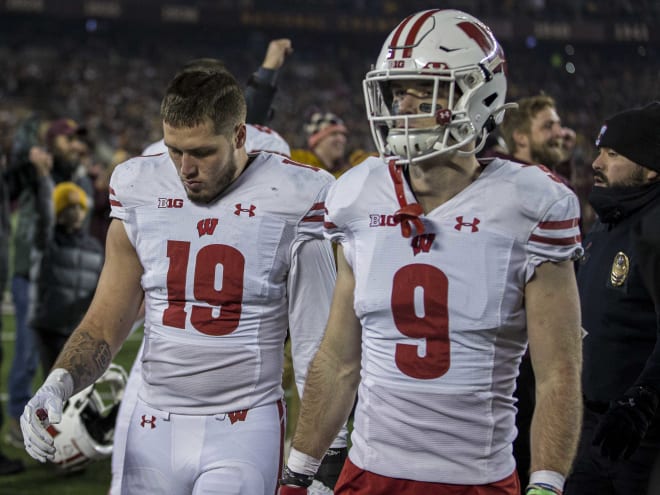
(447, 268)
(227, 249)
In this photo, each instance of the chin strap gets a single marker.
(408, 215)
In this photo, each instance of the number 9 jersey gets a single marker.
(442, 314)
(224, 281)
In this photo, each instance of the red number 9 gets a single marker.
(432, 326)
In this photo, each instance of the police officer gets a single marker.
(620, 438)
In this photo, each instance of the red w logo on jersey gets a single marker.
(238, 415)
(207, 226)
(422, 243)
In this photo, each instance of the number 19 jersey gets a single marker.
(443, 316)
(223, 281)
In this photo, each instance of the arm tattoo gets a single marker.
(85, 357)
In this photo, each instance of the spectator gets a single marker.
(620, 438)
(262, 84)
(61, 158)
(534, 135)
(100, 216)
(446, 268)
(67, 261)
(326, 143)
(7, 465)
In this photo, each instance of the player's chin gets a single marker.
(200, 197)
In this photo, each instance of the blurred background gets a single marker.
(105, 64)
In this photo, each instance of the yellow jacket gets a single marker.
(308, 157)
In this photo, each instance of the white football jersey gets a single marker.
(223, 281)
(443, 316)
(258, 138)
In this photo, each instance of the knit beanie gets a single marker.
(67, 194)
(322, 124)
(634, 134)
(59, 127)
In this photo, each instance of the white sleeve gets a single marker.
(310, 287)
(557, 236)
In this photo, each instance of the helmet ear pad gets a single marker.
(481, 103)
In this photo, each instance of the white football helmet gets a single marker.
(88, 421)
(441, 46)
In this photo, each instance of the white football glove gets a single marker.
(318, 488)
(44, 409)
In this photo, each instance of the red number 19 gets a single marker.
(227, 299)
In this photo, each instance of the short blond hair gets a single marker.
(520, 119)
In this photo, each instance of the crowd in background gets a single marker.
(110, 80)
(557, 9)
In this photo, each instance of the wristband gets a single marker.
(303, 463)
(541, 489)
(545, 483)
(291, 478)
(548, 478)
(263, 79)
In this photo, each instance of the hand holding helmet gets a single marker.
(72, 431)
(44, 409)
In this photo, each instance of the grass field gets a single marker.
(46, 479)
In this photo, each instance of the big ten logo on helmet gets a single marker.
(170, 203)
(376, 220)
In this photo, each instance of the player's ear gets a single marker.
(521, 139)
(240, 134)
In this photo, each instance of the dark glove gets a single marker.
(626, 422)
(331, 466)
(294, 483)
